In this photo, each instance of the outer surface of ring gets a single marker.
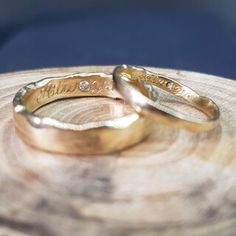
(91, 138)
(128, 80)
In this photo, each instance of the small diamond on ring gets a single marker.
(84, 85)
(170, 85)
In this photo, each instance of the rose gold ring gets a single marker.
(131, 82)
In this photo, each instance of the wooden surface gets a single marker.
(174, 183)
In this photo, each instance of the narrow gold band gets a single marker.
(128, 81)
(91, 138)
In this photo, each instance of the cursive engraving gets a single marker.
(59, 89)
(166, 84)
(96, 88)
(155, 80)
(53, 89)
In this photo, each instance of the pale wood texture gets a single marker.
(174, 183)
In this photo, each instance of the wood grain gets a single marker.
(174, 183)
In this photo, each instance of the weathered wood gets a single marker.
(174, 183)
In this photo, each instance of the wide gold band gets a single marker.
(56, 136)
(129, 82)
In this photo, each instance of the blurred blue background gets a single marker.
(182, 34)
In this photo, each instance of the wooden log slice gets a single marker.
(174, 183)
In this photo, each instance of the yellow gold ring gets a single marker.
(129, 82)
(52, 135)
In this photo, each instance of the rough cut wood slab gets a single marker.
(175, 183)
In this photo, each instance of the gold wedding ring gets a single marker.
(129, 83)
(52, 135)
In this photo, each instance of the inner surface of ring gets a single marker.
(49, 90)
(136, 75)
